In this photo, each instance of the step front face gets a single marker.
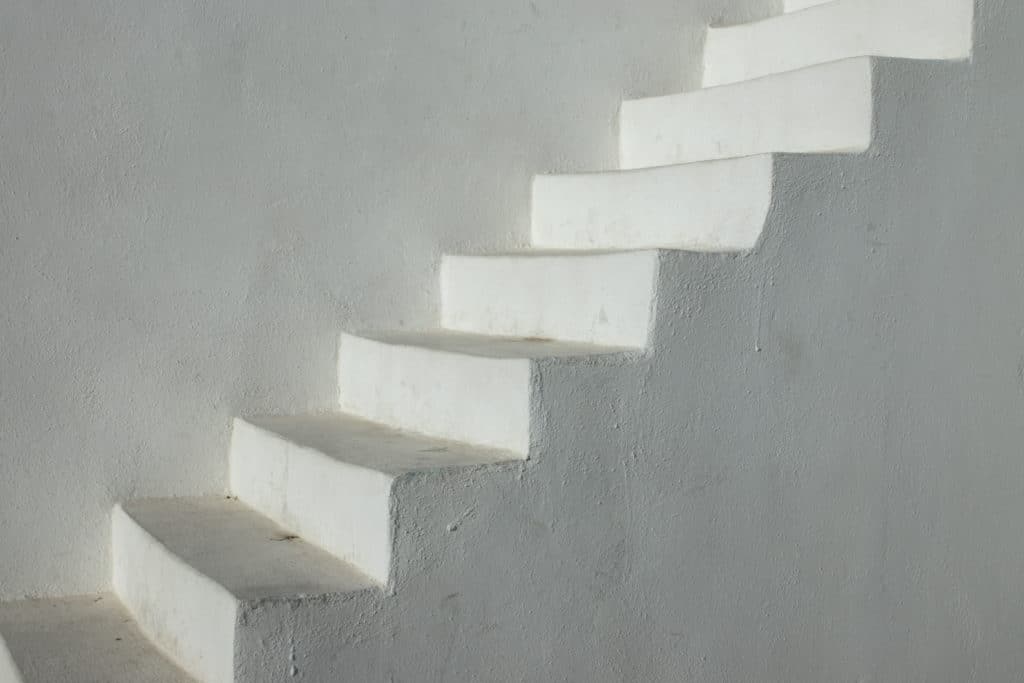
(449, 385)
(200, 575)
(593, 298)
(88, 639)
(820, 109)
(712, 206)
(332, 479)
(912, 29)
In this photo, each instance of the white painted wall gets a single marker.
(814, 476)
(196, 197)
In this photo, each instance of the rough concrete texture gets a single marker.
(196, 197)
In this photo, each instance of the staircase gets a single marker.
(330, 518)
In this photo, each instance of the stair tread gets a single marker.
(246, 553)
(378, 447)
(487, 346)
(85, 639)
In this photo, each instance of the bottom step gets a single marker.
(78, 640)
(234, 597)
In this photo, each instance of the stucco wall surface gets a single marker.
(196, 197)
(814, 474)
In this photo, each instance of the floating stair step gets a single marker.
(590, 297)
(711, 206)
(826, 108)
(339, 480)
(226, 591)
(463, 387)
(912, 29)
(88, 639)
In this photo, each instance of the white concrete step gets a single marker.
(589, 297)
(226, 591)
(462, 387)
(912, 29)
(87, 639)
(711, 206)
(797, 5)
(338, 480)
(826, 108)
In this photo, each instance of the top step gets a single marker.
(839, 29)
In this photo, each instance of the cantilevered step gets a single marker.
(711, 206)
(462, 387)
(90, 639)
(589, 297)
(826, 108)
(228, 593)
(342, 482)
(913, 29)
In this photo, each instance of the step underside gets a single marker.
(88, 639)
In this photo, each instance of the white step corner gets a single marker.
(821, 109)
(713, 206)
(332, 479)
(909, 29)
(195, 573)
(602, 298)
(449, 385)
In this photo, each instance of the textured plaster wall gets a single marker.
(815, 475)
(195, 197)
